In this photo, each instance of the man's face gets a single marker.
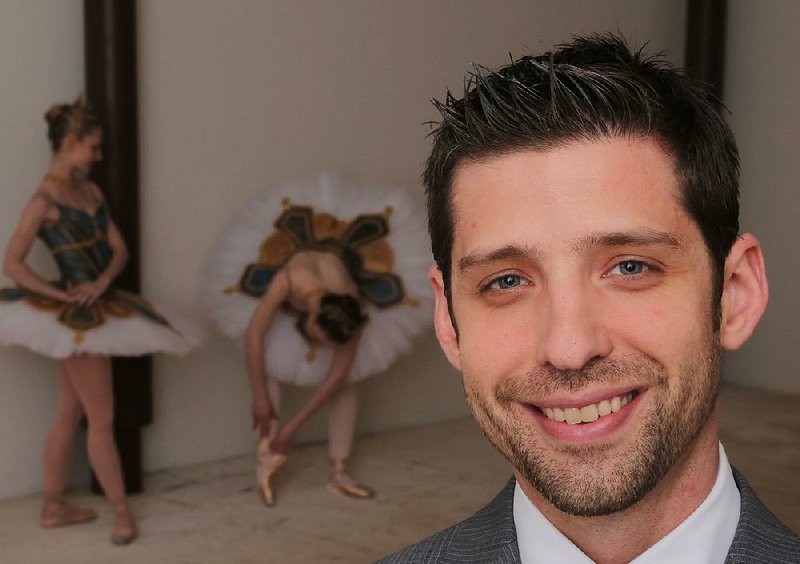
(582, 293)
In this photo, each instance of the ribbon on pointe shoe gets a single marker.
(341, 483)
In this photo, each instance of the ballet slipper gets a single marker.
(267, 463)
(57, 513)
(341, 483)
(124, 530)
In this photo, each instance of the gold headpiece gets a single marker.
(73, 117)
(78, 116)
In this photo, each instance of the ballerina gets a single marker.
(82, 318)
(317, 285)
(320, 301)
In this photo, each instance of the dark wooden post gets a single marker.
(705, 42)
(110, 44)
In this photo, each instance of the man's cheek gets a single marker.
(483, 359)
(500, 334)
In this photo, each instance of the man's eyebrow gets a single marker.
(639, 237)
(503, 253)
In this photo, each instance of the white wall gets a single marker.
(761, 90)
(235, 97)
(41, 62)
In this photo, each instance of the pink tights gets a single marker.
(84, 387)
(341, 419)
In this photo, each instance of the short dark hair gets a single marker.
(339, 317)
(591, 88)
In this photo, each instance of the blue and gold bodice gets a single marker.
(361, 244)
(78, 242)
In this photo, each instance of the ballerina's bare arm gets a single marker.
(276, 294)
(87, 292)
(343, 358)
(33, 216)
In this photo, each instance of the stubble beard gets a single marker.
(595, 482)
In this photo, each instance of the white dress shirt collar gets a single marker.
(704, 537)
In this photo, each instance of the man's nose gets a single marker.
(573, 328)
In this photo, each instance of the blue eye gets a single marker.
(507, 281)
(630, 268)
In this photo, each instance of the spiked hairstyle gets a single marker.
(592, 88)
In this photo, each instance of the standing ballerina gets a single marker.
(80, 319)
(327, 298)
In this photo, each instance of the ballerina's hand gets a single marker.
(262, 418)
(283, 445)
(86, 293)
(65, 297)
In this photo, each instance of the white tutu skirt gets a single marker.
(388, 332)
(117, 325)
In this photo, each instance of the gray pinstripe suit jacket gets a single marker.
(489, 536)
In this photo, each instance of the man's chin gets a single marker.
(592, 500)
(586, 486)
(585, 479)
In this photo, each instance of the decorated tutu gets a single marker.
(118, 323)
(379, 234)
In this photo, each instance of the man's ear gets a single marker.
(442, 323)
(744, 292)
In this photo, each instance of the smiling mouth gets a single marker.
(587, 413)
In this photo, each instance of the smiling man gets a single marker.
(583, 211)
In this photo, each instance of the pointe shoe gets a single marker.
(267, 463)
(124, 531)
(341, 483)
(58, 513)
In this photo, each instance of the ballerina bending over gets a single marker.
(318, 286)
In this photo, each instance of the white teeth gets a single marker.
(587, 413)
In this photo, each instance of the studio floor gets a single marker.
(426, 478)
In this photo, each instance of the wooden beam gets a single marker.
(706, 21)
(110, 54)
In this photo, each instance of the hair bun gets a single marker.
(63, 119)
(56, 112)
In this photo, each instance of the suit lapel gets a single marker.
(489, 535)
(760, 537)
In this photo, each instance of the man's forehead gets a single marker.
(630, 143)
(573, 169)
(606, 186)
